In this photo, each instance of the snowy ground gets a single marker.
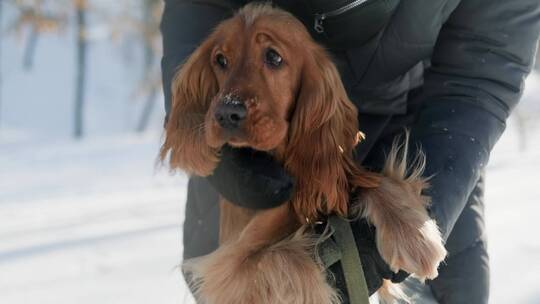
(512, 207)
(89, 222)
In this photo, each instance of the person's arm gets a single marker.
(483, 53)
(482, 56)
(244, 177)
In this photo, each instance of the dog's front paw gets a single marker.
(407, 238)
(283, 273)
(416, 249)
(216, 278)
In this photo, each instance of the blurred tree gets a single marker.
(150, 25)
(1, 37)
(37, 17)
(522, 115)
(80, 8)
(128, 21)
(537, 62)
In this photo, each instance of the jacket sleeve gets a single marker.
(184, 25)
(482, 56)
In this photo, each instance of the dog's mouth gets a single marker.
(262, 135)
(236, 139)
(217, 135)
(238, 142)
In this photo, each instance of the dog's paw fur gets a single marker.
(283, 273)
(407, 238)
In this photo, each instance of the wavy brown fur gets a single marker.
(283, 273)
(322, 137)
(192, 89)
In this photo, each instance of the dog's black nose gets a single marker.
(230, 113)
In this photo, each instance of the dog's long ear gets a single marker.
(323, 133)
(193, 88)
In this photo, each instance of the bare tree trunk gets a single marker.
(1, 31)
(537, 65)
(147, 111)
(150, 99)
(30, 49)
(81, 68)
(147, 69)
(521, 121)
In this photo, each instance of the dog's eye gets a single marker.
(273, 58)
(221, 60)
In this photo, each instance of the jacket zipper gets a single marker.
(319, 18)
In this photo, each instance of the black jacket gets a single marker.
(455, 66)
(469, 56)
(480, 50)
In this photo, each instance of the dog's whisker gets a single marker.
(200, 127)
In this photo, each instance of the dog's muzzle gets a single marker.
(230, 113)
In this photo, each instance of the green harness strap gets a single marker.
(350, 261)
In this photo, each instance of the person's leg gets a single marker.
(201, 224)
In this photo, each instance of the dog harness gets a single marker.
(346, 252)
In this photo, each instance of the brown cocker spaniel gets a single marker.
(260, 81)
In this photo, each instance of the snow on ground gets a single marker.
(89, 222)
(513, 210)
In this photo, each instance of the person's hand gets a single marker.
(375, 268)
(251, 179)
